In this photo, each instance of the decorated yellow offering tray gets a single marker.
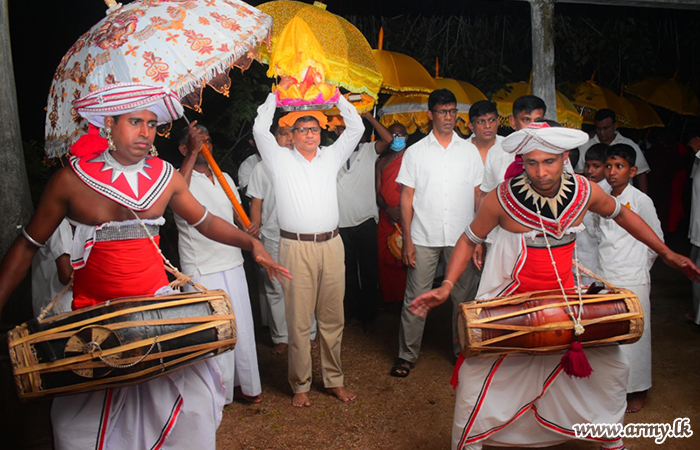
(311, 93)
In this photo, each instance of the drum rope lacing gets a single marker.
(92, 346)
(578, 328)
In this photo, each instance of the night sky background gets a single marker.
(41, 33)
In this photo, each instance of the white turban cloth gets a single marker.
(540, 136)
(124, 98)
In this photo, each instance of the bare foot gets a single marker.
(343, 394)
(314, 345)
(239, 395)
(636, 401)
(301, 400)
(279, 349)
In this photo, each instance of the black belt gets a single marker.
(313, 237)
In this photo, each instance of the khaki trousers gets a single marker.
(419, 281)
(317, 285)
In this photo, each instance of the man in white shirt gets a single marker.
(218, 266)
(307, 210)
(52, 271)
(263, 212)
(440, 175)
(605, 121)
(526, 109)
(694, 231)
(359, 214)
(483, 121)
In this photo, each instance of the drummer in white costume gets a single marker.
(112, 190)
(522, 400)
(218, 266)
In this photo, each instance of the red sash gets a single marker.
(118, 269)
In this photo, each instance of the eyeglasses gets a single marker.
(399, 135)
(305, 130)
(444, 112)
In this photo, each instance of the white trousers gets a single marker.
(179, 410)
(239, 367)
(639, 354)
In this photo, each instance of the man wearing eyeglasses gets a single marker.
(307, 210)
(358, 226)
(440, 175)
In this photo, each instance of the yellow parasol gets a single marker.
(667, 93)
(401, 74)
(411, 111)
(589, 98)
(567, 115)
(641, 114)
(307, 36)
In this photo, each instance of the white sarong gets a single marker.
(528, 401)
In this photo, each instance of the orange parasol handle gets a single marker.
(206, 152)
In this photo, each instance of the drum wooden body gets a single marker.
(538, 323)
(119, 342)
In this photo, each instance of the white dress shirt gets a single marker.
(246, 168)
(306, 192)
(623, 260)
(357, 200)
(261, 187)
(198, 252)
(444, 180)
(641, 162)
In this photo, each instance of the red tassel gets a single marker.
(575, 363)
(90, 144)
(515, 168)
(455, 372)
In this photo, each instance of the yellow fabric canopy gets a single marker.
(402, 74)
(411, 111)
(305, 35)
(667, 93)
(641, 114)
(589, 98)
(567, 115)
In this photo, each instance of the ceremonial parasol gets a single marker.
(567, 115)
(307, 36)
(183, 46)
(411, 111)
(667, 93)
(641, 114)
(589, 98)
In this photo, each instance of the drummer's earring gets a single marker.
(110, 142)
(153, 151)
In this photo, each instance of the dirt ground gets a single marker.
(411, 413)
(416, 412)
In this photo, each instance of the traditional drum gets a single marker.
(119, 342)
(539, 323)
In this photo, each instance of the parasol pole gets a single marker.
(237, 208)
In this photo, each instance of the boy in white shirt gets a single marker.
(626, 262)
(587, 240)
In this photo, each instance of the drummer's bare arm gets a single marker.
(51, 210)
(486, 219)
(605, 205)
(217, 229)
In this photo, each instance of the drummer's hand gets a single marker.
(684, 264)
(478, 256)
(425, 302)
(253, 230)
(408, 253)
(263, 258)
